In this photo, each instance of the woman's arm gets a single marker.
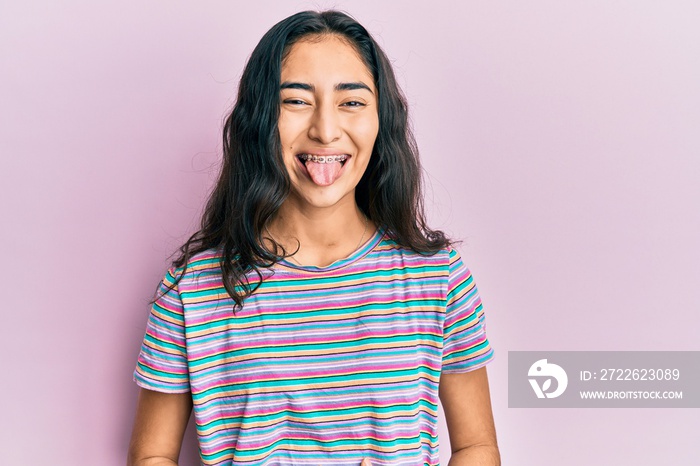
(467, 403)
(161, 419)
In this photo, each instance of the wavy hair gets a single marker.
(254, 183)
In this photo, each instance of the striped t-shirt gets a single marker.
(322, 365)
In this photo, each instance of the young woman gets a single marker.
(315, 318)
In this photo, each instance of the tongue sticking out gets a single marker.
(323, 174)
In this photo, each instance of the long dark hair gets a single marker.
(254, 182)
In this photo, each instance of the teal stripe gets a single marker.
(313, 417)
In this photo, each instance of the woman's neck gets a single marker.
(323, 235)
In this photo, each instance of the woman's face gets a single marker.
(328, 121)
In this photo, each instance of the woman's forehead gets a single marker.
(324, 58)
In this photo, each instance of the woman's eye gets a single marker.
(294, 101)
(354, 103)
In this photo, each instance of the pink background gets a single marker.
(561, 141)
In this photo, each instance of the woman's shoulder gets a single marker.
(205, 259)
(205, 262)
(445, 255)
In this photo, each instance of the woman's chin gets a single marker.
(322, 197)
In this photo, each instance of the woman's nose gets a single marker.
(325, 125)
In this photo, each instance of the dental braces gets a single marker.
(323, 158)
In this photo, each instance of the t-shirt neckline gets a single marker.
(359, 253)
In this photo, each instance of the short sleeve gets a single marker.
(162, 362)
(465, 346)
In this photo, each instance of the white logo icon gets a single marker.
(544, 369)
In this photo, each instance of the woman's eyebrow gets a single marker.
(338, 87)
(352, 86)
(302, 86)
